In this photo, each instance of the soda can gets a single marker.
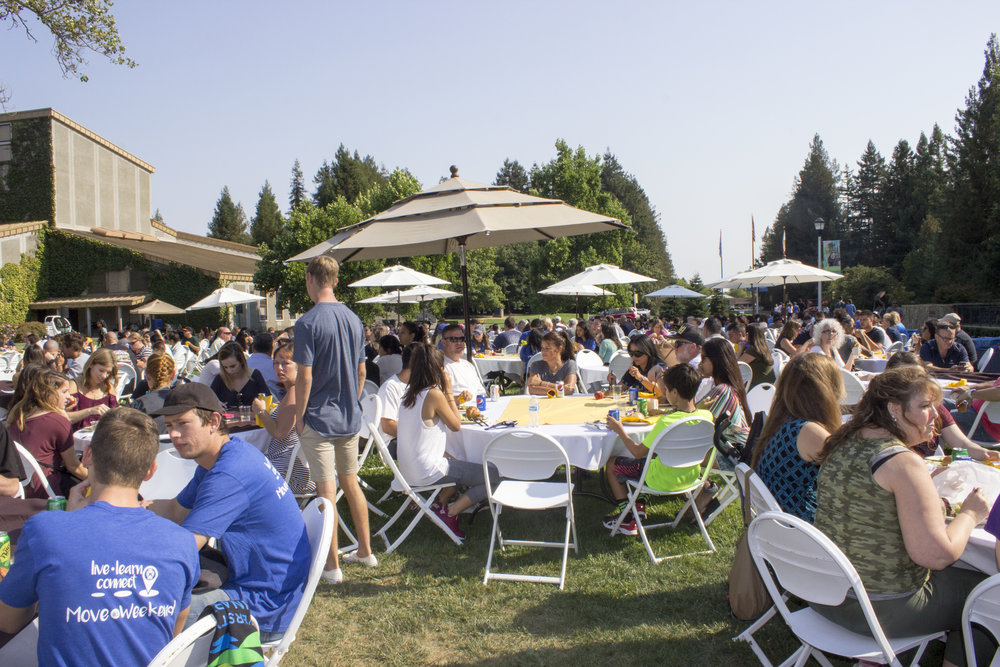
(633, 395)
(560, 389)
(57, 503)
(4, 553)
(494, 392)
(614, 414)
(960, 455)
(643, 407)
(481, 402)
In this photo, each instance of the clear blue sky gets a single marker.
(710, 105)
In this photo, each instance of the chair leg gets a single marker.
(347, 532)
(565, 555)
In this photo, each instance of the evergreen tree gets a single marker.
(348, 176)
(513, 175)
(267, 220)
(157, 216)
(863, 239)
(297, 191)
(229, 221)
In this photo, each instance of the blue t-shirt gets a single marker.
(109, 582)
(956, 355)
(330, 338)
(244, 502)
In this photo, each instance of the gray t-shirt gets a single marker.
(541, 369)
(330, 338)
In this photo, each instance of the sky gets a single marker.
(711, 106)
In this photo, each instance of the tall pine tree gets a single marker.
(267, 220)
(864, 236)
(513, 175)
(297, 187)
(348, 176)
(229, 221)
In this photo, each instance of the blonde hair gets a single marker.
(159, 370)
(42, 395)
(324, 270)
(105, 357)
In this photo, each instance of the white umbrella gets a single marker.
(225, 296)
(456, 215)
(605, 274)
(779, 272)
(416, 295)
(157, 307)
(398, 276)
(677, 292)
(562, 289)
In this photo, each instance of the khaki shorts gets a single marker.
(329, 457)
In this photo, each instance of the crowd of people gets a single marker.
(862, 482)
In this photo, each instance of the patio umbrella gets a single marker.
(398, 276)
(456, 215)
(560, 289)
(605, 274)
(157, 307)
(225, 296)
(416, 295)
(676, 292)
(779, 272)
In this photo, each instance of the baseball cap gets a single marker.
(189, 396)
(689, 334)
(951, 318)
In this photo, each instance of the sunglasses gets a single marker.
(636, 353)
(455, 339)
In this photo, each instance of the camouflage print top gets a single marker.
(860, 517)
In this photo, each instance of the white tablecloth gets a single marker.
(509, 364)
(870, 365)
(586, 445)
(257, 437)
(592, 374)
(980, 552)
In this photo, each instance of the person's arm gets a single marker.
(788, 348)
(810, 442)
(12, 619)
(636, 449)
(390, 427)
(73, 465)
(646, 383)
(9, 486)
(569, 384)
(303, 385)
(169, 509)
(181, 620)
(929, 541)
(954, 438)
(444, 408)
(536, 387)
(80, 415)
(280, 426)
(362, 375)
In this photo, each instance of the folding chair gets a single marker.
(683, 444)
(33, 469)
(992, 410)
(893, 349)
(511, 349)
(126, 374)
(188, 649)
(746, 373)
(372, 418)
(759, 398)
(984, 360)
(982, 607)
(619, 364)
(780, 359)
(421, 496)
(22, 649)
(853, 389)
(172, 474)
(369, 389)
(318, 517)
(524, 457)
(809, 566)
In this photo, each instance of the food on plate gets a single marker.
(473, 413)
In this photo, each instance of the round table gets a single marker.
(587, 445)
(870, 365)
(510, 364)
(257, 437)
(591, 375)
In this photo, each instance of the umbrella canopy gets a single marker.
(560, 289)
(779, 272)
(605, 274)
(677, 292)
(225, 296)
(157, 307)
(398, 276)
(415, 295)
(458, 214)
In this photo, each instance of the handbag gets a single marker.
(748, 597)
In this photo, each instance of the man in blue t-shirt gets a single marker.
(112, 582)
(330, 354)
(239, 498)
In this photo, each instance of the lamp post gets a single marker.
(819, 224)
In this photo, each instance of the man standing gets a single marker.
(330, 353)
(465, 378)
(112, 581)
(239, 498)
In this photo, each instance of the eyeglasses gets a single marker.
(636, 353)
(946, 338)
(454, 339)
(225, 333)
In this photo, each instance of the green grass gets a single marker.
(426, 604)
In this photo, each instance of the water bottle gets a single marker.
(534, 407)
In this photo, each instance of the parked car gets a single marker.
(632, 314)
(57, 324)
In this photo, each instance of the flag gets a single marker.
(753, 231)
(784, 233)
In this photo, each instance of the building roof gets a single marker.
(216, 263)
(95, 301)
(15, 228)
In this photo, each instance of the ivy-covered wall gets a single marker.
(18, 288)
(28, 191)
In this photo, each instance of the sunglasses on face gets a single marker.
(636, 353)
(455, 339)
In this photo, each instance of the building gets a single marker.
(81, 207)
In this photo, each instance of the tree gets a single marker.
(229, 221)
(267, 220)
(864, 238)
(348, 175)
(157, 216)
(77, 26)
(512, 174)
(297, 188)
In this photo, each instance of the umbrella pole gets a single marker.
(465, 298)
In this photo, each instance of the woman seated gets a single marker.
(160, 373)
(95, 394)
(427, 412)
(532, 345)
(850, 349)
(805, 411)
(788, 334)
(727, 398)
(236, 385)
(412, 332)
(39, 423)
(584, 340)
(32, 355)
(280, 423)
(556, 365)
(647, 367)
(876, 501)
(826, 338)
(390, 359)
(480, 343)
(757, 354)
(925, 335)
(609, 342)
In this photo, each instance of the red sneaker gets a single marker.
(451, 522)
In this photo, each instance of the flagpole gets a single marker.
(721, 275)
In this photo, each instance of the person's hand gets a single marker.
(78, 496)
(960, 395)
(614, 424)
(975, 505)
(635, 372)
(983, 454)
(259, 405)
(965, 367)
(99, 409)
(465, 396)
(71, 403)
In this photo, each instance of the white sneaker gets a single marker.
(370, 560)
(334, 576)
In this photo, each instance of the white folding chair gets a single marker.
(780, 359)
(759, 398)
(511, 349)
(619, 364)
(369, 389)
(318, 517)
(421, 496)
(984, 360)
(809, 566)
(746, 373)
(853, 389)
(992, 410)
(683, 444)
(537, 356)
(372, 406)
(188, 649)
(126, 374)
(524, 458)
(982, 607)
(893, 349)
(172, 474)
(33, 469)
(588, 358)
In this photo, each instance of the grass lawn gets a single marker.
(426, 604)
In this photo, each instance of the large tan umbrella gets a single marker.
(779, 272)
(456, 215)
(157, 307)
